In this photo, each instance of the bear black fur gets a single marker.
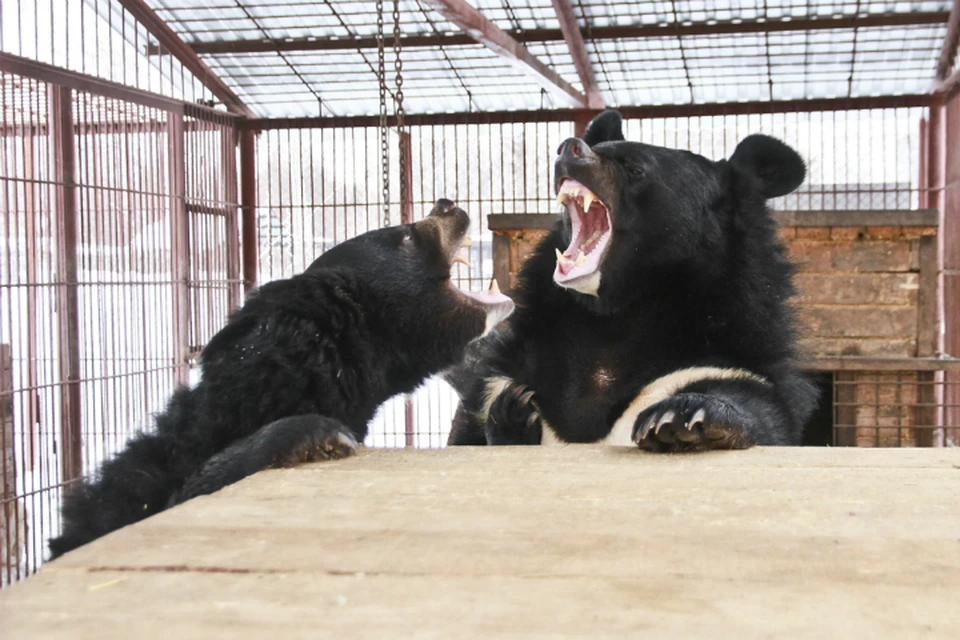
(671, 331)
(297, 373)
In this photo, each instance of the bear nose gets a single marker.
(574, 149)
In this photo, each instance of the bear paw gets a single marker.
(691, 422)
(514, 417)
(313, 439)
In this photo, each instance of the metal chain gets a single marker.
(384, 134)
(398, 100)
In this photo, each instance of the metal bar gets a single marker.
(936, 151)
(571, 115)
(180, 247)
(406, 217)
(928, 322)
(578, 52)
(169, 40)
(63, 172)
(232, 229)
(580, 124)
(949, 86)
(617, 32)
(33, 224)
(923, 171)
(248, 208)
(478, 27)
(948, 53)
(89, 84)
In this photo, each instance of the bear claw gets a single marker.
(514, 418)
(691, 422)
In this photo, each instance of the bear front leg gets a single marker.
(283, 443)
(717, 414)
(514, 418)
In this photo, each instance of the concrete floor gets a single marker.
(535, 542)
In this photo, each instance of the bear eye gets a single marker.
(636, 170)
(407, 241)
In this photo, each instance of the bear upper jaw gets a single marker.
(578, 267)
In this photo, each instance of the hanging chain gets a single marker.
(398, 102)
(384, 139)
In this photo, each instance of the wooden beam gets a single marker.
(948, 53)
(811, 218)
(478, 27)
(179, 49)
(578, 51)
(433, 40)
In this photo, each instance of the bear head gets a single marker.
(405, 276)
(632, 211)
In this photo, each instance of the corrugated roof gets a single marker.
(677, 60)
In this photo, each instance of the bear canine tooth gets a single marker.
(562, 259)
(459, 257)
(580, 259)
(588, 199)
(467, 241)
(494, 287)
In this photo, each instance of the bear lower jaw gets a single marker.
(496, 305)
(587, 284)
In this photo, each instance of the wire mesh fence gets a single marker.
(120, 258)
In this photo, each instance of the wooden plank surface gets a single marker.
(829, 218)
(537, 542)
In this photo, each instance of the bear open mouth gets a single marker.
(591, 232)
(498, 306)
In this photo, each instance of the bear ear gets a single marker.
(778, 168)
(603, 128)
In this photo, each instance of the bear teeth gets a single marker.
(588, 199)
(462, 259)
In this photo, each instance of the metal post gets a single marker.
(248, 207)
(63, 172)
(228, 154)
(406, 217)
(180, 247)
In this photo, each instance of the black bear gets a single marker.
(298, 372)
(654, 312)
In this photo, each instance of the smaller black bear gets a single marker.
(298, 372)
(654, 312)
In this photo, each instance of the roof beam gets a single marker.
(554, 35)
(478, 27)
(170, 41)
(578, 51)
(948, 53)
(572, 115)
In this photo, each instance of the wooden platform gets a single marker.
(534, 542)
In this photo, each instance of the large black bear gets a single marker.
(298, 372)
(655, 311)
